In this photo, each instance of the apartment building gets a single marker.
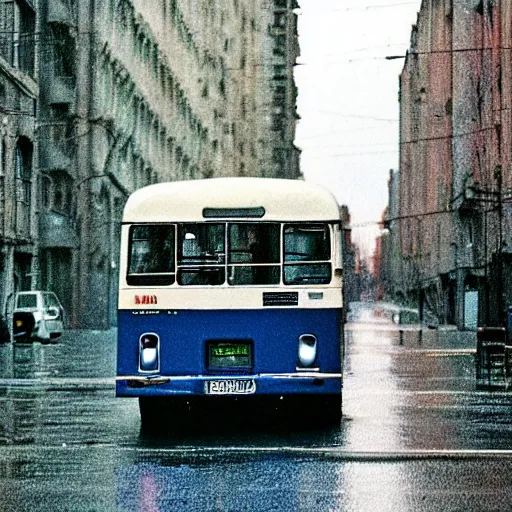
(451, 220)
(19, 93)
(133, 93)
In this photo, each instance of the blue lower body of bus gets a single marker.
(230, 352)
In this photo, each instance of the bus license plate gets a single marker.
(230, 387)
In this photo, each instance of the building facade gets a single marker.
(99, 99)
(19, 181)
(450, 222)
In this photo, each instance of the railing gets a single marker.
(23, 200)
(19, 50)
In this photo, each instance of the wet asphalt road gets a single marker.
(416, 435)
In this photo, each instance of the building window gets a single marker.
(279, 19)
(26, 41)
(6, 28)
(23, 165)
(17, 34)
(2, 184)
(63, 51)
(61, 192)
(46, 192)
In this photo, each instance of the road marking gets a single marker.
(442, 352)
(59, 382)
(331, 452)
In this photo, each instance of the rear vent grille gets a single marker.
(281, 299)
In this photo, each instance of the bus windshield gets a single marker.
(237, 254)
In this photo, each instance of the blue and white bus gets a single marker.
(230, 287)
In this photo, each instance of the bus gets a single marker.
(230, 289)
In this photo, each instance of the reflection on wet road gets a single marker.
(415, 432)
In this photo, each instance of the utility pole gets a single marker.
(486, 265)
(420, 273)
(498, 175)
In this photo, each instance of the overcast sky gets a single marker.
(348, 97)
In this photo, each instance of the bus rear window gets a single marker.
(201, 254)
(307, 250)
(151, 257)
(254, 254)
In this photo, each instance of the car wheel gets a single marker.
(161, 413)
(332, 410)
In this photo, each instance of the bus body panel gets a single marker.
(184, 201)
(227, 297)
(273, 333)
(265, 386)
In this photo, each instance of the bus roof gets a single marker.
(274, 199)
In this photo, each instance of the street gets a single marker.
(415, 435)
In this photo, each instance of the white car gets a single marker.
(47, 311)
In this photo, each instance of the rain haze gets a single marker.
(348, 101)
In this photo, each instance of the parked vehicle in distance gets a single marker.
(22, 326)
(47, 311)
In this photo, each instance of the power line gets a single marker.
(368, 7)
(407, 54)
(352, 146)
(338, 132)
(357, 50)
(457, 50)
(381, 223)
(448, 137)
(341, 155)
(355, 116)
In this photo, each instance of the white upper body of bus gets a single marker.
(201, 231)
(184, 201)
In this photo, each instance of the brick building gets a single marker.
(451, 221)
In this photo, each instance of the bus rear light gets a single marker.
(307, 350)
(146, 299)
(149, 357)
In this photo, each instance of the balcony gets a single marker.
(58, 12)
(56, 146)
(19, 52)
(61, 89)
(277, 30)
(56, 230)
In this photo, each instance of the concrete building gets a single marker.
(19, 181)
(451, 226)
(351, 281)
(135, 92)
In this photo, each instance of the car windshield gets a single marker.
(50, 301)
(27, 300)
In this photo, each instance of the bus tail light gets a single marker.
(307, 350)
(149, 357)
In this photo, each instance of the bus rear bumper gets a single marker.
(236, 385)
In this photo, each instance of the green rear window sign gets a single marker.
(230, 350)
